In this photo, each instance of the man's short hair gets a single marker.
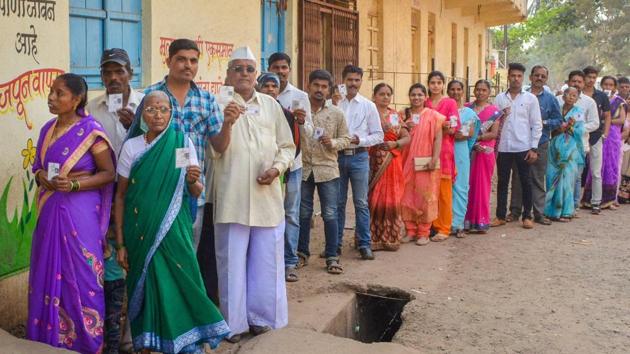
(576, 72)
(182, 44)
(590, 70)
(623, 80)
(516, 66)
(320, 74)
(351, 69)
(536, 67)
(277, 57)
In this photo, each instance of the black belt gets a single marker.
(351, 152)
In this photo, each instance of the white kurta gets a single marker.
(259, 141)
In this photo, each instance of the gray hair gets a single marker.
(158, 94)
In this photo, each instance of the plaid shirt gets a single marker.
(199, 119)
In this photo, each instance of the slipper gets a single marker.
(439, 237)
(290, 275)
(333, 266)
(422, 241)
(302, 260)
(460, 234)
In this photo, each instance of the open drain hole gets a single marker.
(378, 317)
(370, 317)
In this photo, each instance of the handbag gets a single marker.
(422, 163)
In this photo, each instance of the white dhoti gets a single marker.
(250, 267)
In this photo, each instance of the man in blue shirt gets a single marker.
(552, 119)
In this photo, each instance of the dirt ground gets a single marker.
(562, 288)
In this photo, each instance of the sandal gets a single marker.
(290, 275)
(422, 241)
(333, 266)
(439, 238)
(460, 234)
(302, 260)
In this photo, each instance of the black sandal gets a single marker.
(302, 260)
(333, 266)
(290, 275)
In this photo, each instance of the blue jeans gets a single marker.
(577, 193)
(327, 192)
(356, 169)
(292, 215)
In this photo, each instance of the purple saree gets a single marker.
(66, 302)
(611, 159)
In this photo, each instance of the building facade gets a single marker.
(397, 41)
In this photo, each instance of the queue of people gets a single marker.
(199, 207)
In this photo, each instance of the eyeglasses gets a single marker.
(241, 69)
(154, 110)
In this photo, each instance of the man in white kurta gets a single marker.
(249, 206)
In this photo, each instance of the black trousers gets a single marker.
(504, 166)
(206, 255)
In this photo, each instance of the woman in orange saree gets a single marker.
(386, 176)
(421, 166)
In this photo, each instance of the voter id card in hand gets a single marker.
(114, 102)
(318, 133)
(296, 104)
(53, 170)
(182, 157)
(343, 90)
(226, 95)
(394, 120)
(453, 120)
(415, 118)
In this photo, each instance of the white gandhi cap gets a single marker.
(243, 53)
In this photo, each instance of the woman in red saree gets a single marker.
(421, 172)
(448, 108)
(386, 176)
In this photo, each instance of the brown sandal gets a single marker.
(302, 260)
(333, 266)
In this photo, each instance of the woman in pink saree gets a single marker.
(482, 161)
(74, 169)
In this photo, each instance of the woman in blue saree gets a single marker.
(168, 306)
(565, 155)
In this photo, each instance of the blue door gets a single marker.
(273, 18)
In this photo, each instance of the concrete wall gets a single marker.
(396, 46)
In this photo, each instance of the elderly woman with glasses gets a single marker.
(158, 172)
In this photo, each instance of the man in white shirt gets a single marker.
(591, 123)
(364, 126)
(249, 213)
(522, 129)
(295, 100)
(115, 108)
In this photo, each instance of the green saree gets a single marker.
(168, 306)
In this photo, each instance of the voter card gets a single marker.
(297, 104)
(319, 132)
(453, 120)
(226, 95)
(53, 170)
(465, 129)
(394, 120)
(253, 110)
(182, 157)
(115, 102)
(343, 90)
(415, 118)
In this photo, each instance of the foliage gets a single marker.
(16, 233)
(566, 35)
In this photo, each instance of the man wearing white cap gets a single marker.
(249, 207)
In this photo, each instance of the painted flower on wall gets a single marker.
(29, 154)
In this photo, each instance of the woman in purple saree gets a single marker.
(74, 169)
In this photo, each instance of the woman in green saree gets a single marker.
(168, 306)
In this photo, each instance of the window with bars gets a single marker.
(375, 67)
(96, 25)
